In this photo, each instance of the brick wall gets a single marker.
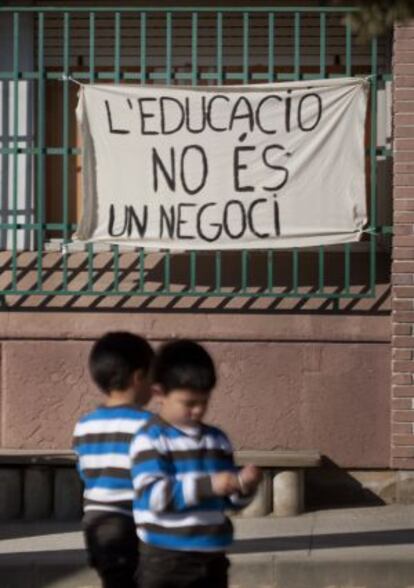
(402, 425)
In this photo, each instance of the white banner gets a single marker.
(224, 167)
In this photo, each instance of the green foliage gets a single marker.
(378, 16)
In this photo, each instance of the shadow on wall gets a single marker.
(325, 541)
(16, 529)
(47, 569)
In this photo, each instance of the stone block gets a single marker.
(380, 485)
(37, 493)
(251, 571)
(261, 504)
(288, 493)
(10, 493)
(405, 487)
(67, 495)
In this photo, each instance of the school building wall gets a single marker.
(402, 415)
(303, 376)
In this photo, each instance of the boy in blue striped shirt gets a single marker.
(119, 363)
(184, 478)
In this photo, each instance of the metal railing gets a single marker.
(173, 46)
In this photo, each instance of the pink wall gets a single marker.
(316, 382)
(403, 250)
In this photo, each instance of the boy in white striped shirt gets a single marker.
(119, 363)
(184, 478)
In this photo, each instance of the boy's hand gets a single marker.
(249, 477)
(225, 483)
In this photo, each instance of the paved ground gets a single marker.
(346, 548)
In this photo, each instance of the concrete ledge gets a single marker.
(37, 493)
(288, 482)
(269, 459)
(363, 572)
(288, 493)
(37, 456)
(286, 498)
(67, 495)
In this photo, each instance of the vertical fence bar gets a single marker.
(143, 47)
(322, 73)
(193, 271)
(246, 26)
(244, 270)
(194, 78)
(117, 48)
(168, 45)
(141, 269)
(167, 272)
(217, 271)
(16, 31)
(194, 48)
(295, 270)
(322, 45)
(270, 271)
(270, 78)
(92, 29)
(65, 162)
(40, 156)
(90, 266)
(115, 257)
(219, 48)
(373, 164)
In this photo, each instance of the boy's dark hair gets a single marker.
(115, 357)
(184, 364)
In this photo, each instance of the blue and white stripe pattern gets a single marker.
(101, 441)
(174, 504)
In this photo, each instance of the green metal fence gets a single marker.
(173, 46)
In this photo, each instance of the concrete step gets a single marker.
(249, 571)
(355, 548)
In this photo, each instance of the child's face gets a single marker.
(142, 388)
(183, 406)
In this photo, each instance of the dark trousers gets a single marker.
(112, 545)
(162, 568)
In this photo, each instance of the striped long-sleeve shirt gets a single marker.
(174, 504)
(101, 441)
